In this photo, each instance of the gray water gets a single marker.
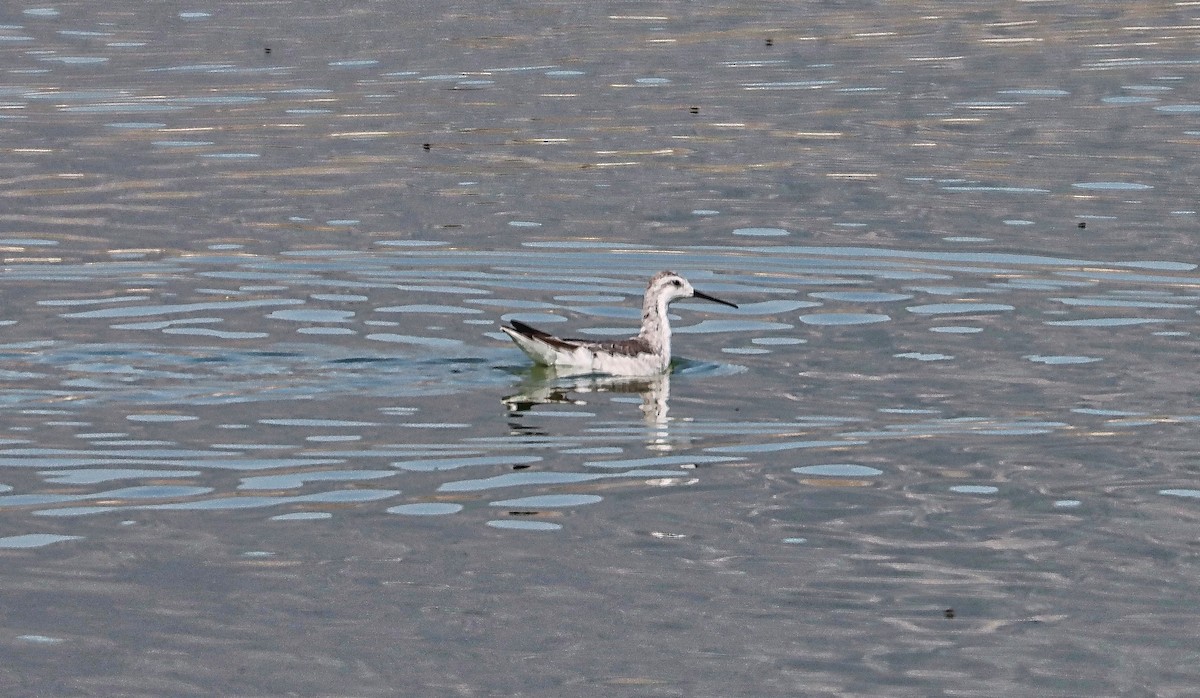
(262, 436)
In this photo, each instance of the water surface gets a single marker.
(262, 434)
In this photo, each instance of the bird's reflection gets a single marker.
(544, 386)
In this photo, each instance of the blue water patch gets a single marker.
(332, 438)
(74, 302)
(569, 298)
(789, 85)
(232, 156)
(321, 423)
(1105, 322)
(745, 351)
(180, 144)
(861, 296)
(123, 107)
(955, 290)
(37, 242)
(76, 59)
(192, 68)
(426, 509)
(989, 105)
(956, 308)
(303, 516)
(1121, 303)
(161, 418)
(838, 470)
(34, 540)
(148, 310)
(717, 326)
(1000, 190)
(75, 511)
(1181, 493)
(312, 315)
(98, 475)
(430, 342)
(1106, 413)
(919, 356)
(843, 318)
(548, 501)
(521, 525)
(1060, 360)
(41, 639)
(296, 480)
(235, 502)
(339, 297)
(1129, 99)
(1035, 92)
(431, 309)
(774, 307)
(975, 489)
(593, 451)
(659, 461)
(771, 447)
(1179, 109)
(142, 492)
(761, 232)
(956, 329)
(1112, 186)
(76, 95)
(436, 464)
(526, 478)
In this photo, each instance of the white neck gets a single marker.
(656, 329)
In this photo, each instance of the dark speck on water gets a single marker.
(261, 434)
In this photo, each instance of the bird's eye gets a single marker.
(676, 282)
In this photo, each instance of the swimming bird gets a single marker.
(646, 354)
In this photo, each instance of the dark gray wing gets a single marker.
(545, 337)
(622, 347)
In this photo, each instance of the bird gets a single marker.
(646, 354)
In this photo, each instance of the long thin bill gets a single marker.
(707, 297)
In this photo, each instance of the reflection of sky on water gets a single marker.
(254, 260)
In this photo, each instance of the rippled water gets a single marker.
(262, 433)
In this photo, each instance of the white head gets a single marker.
(667, 286)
